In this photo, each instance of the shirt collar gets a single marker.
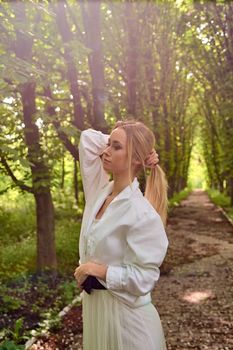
(127, 191)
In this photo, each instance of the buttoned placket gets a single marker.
(90, 241)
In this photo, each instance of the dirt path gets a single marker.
(195, 295)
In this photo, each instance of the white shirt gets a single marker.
(129, 237)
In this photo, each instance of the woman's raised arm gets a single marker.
(91, 146)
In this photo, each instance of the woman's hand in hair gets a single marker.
(152, 160)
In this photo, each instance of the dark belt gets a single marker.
(90, 283)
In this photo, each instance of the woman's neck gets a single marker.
(119, 184)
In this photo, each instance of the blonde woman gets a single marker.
(122, 240)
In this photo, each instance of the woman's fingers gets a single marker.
(80, 274)
(152, 160)
(76, 272)
(81, 280)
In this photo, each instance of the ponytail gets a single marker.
(156, 191)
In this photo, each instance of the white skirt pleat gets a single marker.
(109, 324)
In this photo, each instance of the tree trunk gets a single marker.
(76, 192)
(62, 173)
(91, 22)
(151, 81)
(230, 182)
(46, 253)
(132, 58)
(72, 76)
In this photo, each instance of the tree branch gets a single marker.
(19, 183)
(62, 136)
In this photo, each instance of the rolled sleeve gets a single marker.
(114, 277)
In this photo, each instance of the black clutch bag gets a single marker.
(90, 283)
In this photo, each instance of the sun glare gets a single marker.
(197, 297)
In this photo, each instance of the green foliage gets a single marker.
(221, 200)
(47, 297)
(208, 58)
(67, 244)
(10, 303)
(17, 221)
(15, 334)
(179, 80)
(197, 169)
(17, 218)
(67, 291)
(11, 345)
(178, 197)
(51, 321)
(17, 258)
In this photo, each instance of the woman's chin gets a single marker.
(106, 167)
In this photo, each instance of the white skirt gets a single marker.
(109, 324)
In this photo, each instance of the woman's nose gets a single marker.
(107, 150)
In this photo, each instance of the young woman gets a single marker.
(122, 240)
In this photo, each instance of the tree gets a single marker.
(211, 61)
(40, 172)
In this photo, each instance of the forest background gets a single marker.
(70, 65)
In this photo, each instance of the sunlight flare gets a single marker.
(197, 297)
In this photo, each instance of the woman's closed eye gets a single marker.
(115, 146)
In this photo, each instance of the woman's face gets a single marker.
(115, 155)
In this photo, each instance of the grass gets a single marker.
(18, 236)
(222, 201)
(178, 197)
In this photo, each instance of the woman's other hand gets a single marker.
(89, 269)
(80, 275)
(152, 160)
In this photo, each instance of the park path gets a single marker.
(194, 296)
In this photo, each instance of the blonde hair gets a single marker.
(140, 142)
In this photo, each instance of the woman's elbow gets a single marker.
(144, 285)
